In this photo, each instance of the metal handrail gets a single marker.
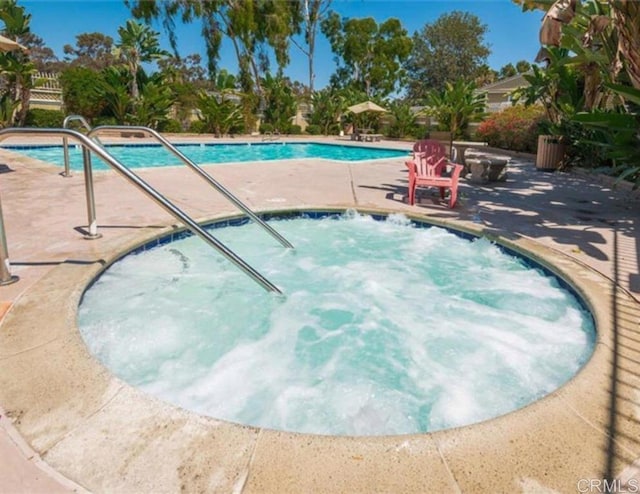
(65, 142)
(6, 278)
(151, 192)
(214, 183)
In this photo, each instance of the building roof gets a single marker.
(505, 85)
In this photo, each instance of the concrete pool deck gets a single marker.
(68, 424)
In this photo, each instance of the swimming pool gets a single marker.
(387, 327)
(154, 155)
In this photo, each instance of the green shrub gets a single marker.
(170, 125)
(197, 127)
(313, 129)
(295, 130)
(516, 128)
(80, 92)
(44, 118)
(266, 127)
(105, 120)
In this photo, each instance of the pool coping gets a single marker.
(105, 435)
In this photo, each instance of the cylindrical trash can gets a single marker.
(550, 152)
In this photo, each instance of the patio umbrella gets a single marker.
(7, 44)
(366, 106)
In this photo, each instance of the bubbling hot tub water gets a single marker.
(386, 328)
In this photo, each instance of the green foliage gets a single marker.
(450, 49)
(371, 56)
(256, 30)
(295, 130)
(44, 118)
(152, 108)
(617, 133)
(80, 92)
(92, 51)
(516, 128)
(138, 43)
(170, 125)
(592, 98)
(456, 106)
(105, 120)
(113, 91)
(15, 66)
(328, 106)
(313, 129)
(266, 127)
(197, 127)
(219, 115)
(7, 107)
(404, 120)
(15, 18)
(558, 87)
(280, 104)
(507, 71)
(523, 66)
(185, 78)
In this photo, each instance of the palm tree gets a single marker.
(219, 114)
(456, 106)
(15, 65)
(138, 43)
(280, 103)
(404, 119)
(113, 91)
(328, 106)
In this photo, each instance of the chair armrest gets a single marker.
(413, 169)
(457, 170)
(441, 165)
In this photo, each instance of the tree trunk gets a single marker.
(25, 96)
(627, 18)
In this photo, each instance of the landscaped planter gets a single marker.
(551, 151)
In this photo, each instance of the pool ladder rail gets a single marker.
(197, 169)
(89, 145)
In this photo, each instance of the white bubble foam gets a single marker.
(385, 328)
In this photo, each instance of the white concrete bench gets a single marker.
(486, 168)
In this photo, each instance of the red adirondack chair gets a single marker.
(427, 167)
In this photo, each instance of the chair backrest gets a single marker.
(430, 158)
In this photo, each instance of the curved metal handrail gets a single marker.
(151, 192)
(214, 183)
(65, 143)
(78, 118)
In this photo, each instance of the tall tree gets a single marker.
(280, 103)
(312, 13)
(138, 43)
(610, 20)
(371, 56)
(186, 79)
(456, 106)
(80, 91)
(449, 49)
(92, 50)
(253, 27)
(485, 75)
(523, 66)
(15, 66)
(507, 70)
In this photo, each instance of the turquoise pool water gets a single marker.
(386, 328)
(150, 156)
